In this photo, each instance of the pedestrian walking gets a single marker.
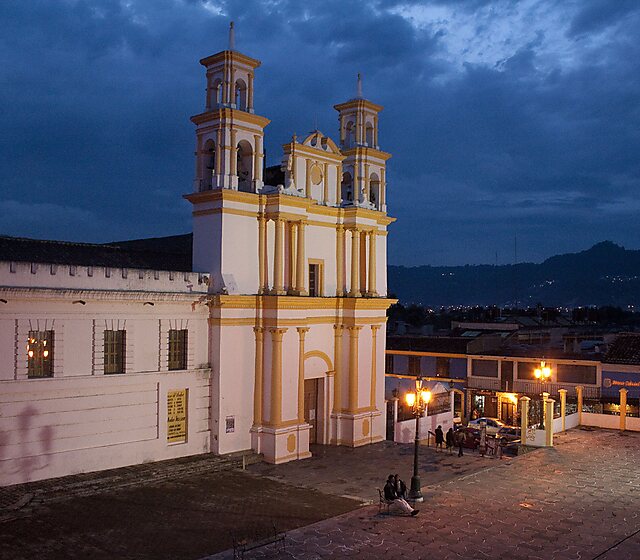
(439, 438)
(449, 440)
(459, 439)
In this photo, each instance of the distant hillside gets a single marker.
(606, 274)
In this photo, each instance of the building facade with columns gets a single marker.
(298, 273)
(266, 333)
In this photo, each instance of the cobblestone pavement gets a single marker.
(579, 500)
(192, 507)
(345, 471)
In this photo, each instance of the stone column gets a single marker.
(623, 409)
(300, 264)
(262, 254)
(371, 284)
(278, 287)
(548, 423)
(355, 263)
(307, 179)
(545, 397)
(563, 407)
(276, 376)
(579, 393)
(340, 260)
(339, 186)
(250, 94)
(292, 278)
(259, 367)
(524, 419)
(219, 151)
(354, 332)
(337, 364)
(325, 183)
(257, 164)
(233, 164)
(302, 331)
(374, 363)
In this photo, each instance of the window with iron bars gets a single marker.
(414, 365)
(40, 354)
(114, 351)
(178, 339)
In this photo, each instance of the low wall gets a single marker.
(405, 431)
(61, 426)
(570, 421)
(601, 420)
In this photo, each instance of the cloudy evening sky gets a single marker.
(504, 118)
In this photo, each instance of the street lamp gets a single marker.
(417, 401)
(542, 374)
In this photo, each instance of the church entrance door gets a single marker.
(311, 407)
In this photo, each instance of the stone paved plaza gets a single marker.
(579, 500)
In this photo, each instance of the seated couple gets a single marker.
(395, 491)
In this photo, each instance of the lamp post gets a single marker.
(418, 401)
(542, 374)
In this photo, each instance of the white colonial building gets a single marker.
(272, 340)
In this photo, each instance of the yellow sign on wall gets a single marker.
(177, 416)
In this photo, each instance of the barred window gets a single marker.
(178, 339)
(414, 365)
(40, 354)
(443, 366)
(114, 351)
(388, 363)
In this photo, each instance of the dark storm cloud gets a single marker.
(504, 118)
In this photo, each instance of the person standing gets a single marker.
(439, 438)
(449, 440)
(391, 496)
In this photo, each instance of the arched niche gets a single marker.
(240, 94)
(374, 190)
(369, 137)
(208, 159)
(346, 189)
(244, 166)
(349, 134)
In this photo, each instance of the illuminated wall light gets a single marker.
(45, 353)
(31, 353)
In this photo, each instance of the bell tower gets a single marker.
(363, 179)
(229, 135)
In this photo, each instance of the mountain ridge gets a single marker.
(604, 274)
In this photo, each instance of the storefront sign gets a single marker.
(177, 416)
(612, 382)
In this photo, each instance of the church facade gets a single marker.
(273, 340)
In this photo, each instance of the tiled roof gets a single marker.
(161, 253)
(625, 349)
(444, 344)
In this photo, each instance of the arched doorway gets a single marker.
(317, 398)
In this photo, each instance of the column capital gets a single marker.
(338, 327)
(354, 329)
(302, 331)
(259, 330)
(562, 391)
(277, 332)
(524, 399)
(623, 391)
(375, 328)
